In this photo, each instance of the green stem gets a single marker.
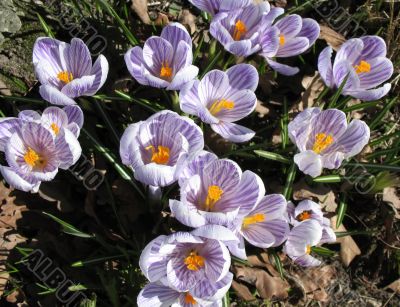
(289, 181)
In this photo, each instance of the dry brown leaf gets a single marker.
(161, 20)
(391, 196)
(261, 109)
(333, 38)
(242, 291)
(267, 285)
(394, 286)
(348, 247)
(140, 8)
(314, 86)
(189, 20)
(319, 193)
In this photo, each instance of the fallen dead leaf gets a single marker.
(391, 196)
(261, 109)
(348, 247)
(268, 286)
(189, 20)
(320, 193)
(314, 86)
(394, 286)
(140, 8)
(242, 291)
(161, 20)
(333, 38)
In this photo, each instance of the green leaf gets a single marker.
(323, 251)
(341, 212)
(68, 228)
(272, 156)
(328, 179)
(82, 263)
(341, 234)
(378, 118)
(45, 26)
(289, 181)
(338, 93)
(278, 263)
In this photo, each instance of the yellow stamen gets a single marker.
(305, 215)
(281, 39)
(189, 299)
(363, 67)
(256, 218)
(161, 156)
(55, 128)
(194, 262)
(308, 249)
(166, 71)
(322, 141)
(214, 194)
(219, 105)
(240, 30)
(65, 76)
(31, 157)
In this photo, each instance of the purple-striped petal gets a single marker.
(217, 260)
(16, 181)
(135, 64)
(75, 115)
(157, 295)
(245, 102)
(213, 86)
(180, 277)
(309, 163)
(273, 206)
(269, 42)
(68, 149)
(307, 261)
(54, 116)
(350, 51)
(233, 132)
(325, 66)
(299, 128)
(269, 18)
(374, 47)
(354, 139)
(29, 115)
(243, 76)
(368, 95)
(157, 52)
(293, 46)
(240, 48)
(183, 56)
(79, 87)
(189, 98)
(174, 33)
(7, 127)
(258, 235)
(283, 69)
(186, 213)
(100, 71)
(289, 26)
(248, 193)
(54, 96)
(182, 78)
(381, 70)
(215, 232)
(152, 263)
(78, 59)
(310, 29)
(308, 205)
(212, 291)
(197, 165)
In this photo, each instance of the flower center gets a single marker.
(194, 262)
(240, 30)
(281, 39)
(322, 141)
(256, 218)
(31, 157)
(220, 105)
(305, 215)
(160, 156)
(189, 299)
(55, 128)
(363, 67)
(308, 249)
(214, 194)
(65, 76)
(166, 71)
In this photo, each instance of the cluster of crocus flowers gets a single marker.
(325, 139)
(221, 98)
(187, 268)
(36, 146)
(159, 147)
(310, 228)
(65, 71)
(289, 36)
(361, 64)
(164, 61)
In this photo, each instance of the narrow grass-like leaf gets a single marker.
(241, 261)
(108, 121)
(328, 179)
(361, 106)
(45, 26)
(68, 228)
(278, 264)
(82, 263)
(78, 287)
(384, 138)
(129, 35)
(341, 234)
(287, 191)
(284, 124)
(384, 152)
(22, 99)
(212, 63)
(272, 156)
(142, 102)
(226, 301)
(341, 211)
(382, 167)
(323, 251)
(338, 92)
(378, 118)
